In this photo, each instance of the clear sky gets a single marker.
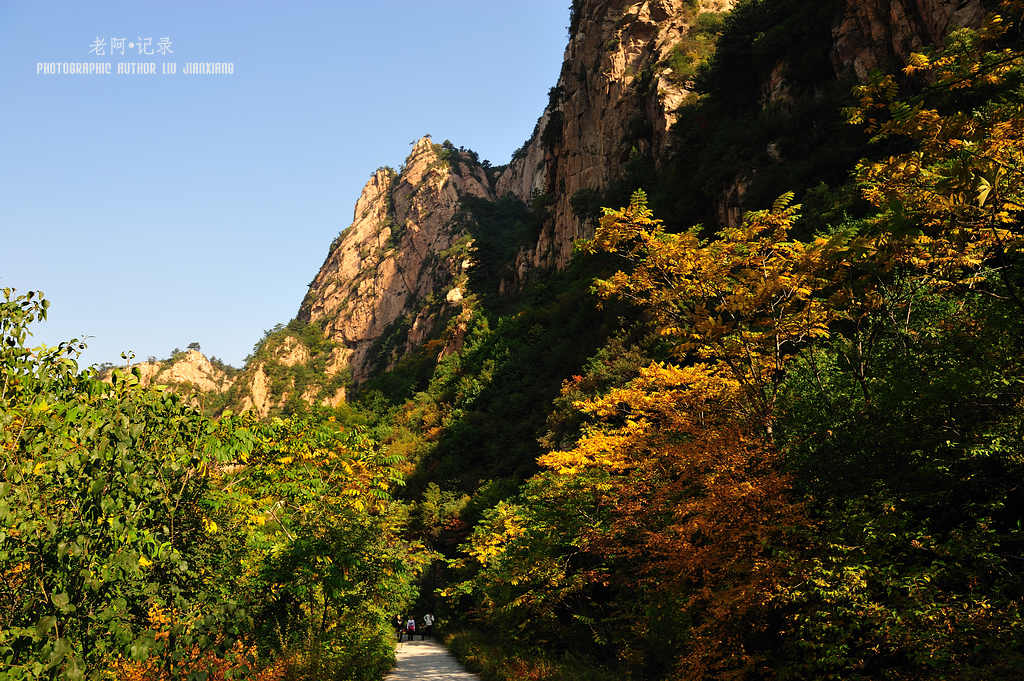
(159, 210)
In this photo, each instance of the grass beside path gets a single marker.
(497, 660)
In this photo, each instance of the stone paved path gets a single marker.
(427, 661)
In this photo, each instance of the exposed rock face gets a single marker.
(257, 395)
(867, 35)
(290, 364)
(188, 373)
(189, 370)
(615, 98)
(291, 352)
(394, 261)
(881, 34)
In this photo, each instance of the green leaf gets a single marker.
(44, 625)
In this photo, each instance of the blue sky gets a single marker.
(158, 210)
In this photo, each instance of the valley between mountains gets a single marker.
(719, 377)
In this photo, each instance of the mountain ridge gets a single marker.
(400, 275)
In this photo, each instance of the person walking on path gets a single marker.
(398, 627)
(410, 627)
(428, 626)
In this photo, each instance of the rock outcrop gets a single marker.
(388, 274)
(881, 34)
(189, 373)
(256, 394)
(188, 369)
(294, 364)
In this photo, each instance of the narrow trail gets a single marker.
(427, 661)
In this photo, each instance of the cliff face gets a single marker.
(615, 100)
(390, 273)
(617, 95)
(881, 34)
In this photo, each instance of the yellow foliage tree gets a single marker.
(951, 206)
(745, 301)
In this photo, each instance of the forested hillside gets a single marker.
(745, 402)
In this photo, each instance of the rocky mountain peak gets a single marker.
(386, 277)
(186, 372)
(193, 367)
(392, 278)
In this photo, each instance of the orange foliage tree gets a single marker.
(699, 505)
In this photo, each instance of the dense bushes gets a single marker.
(138, 535)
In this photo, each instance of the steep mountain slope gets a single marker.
(399, 275)
(393, 272)
(614, 103)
